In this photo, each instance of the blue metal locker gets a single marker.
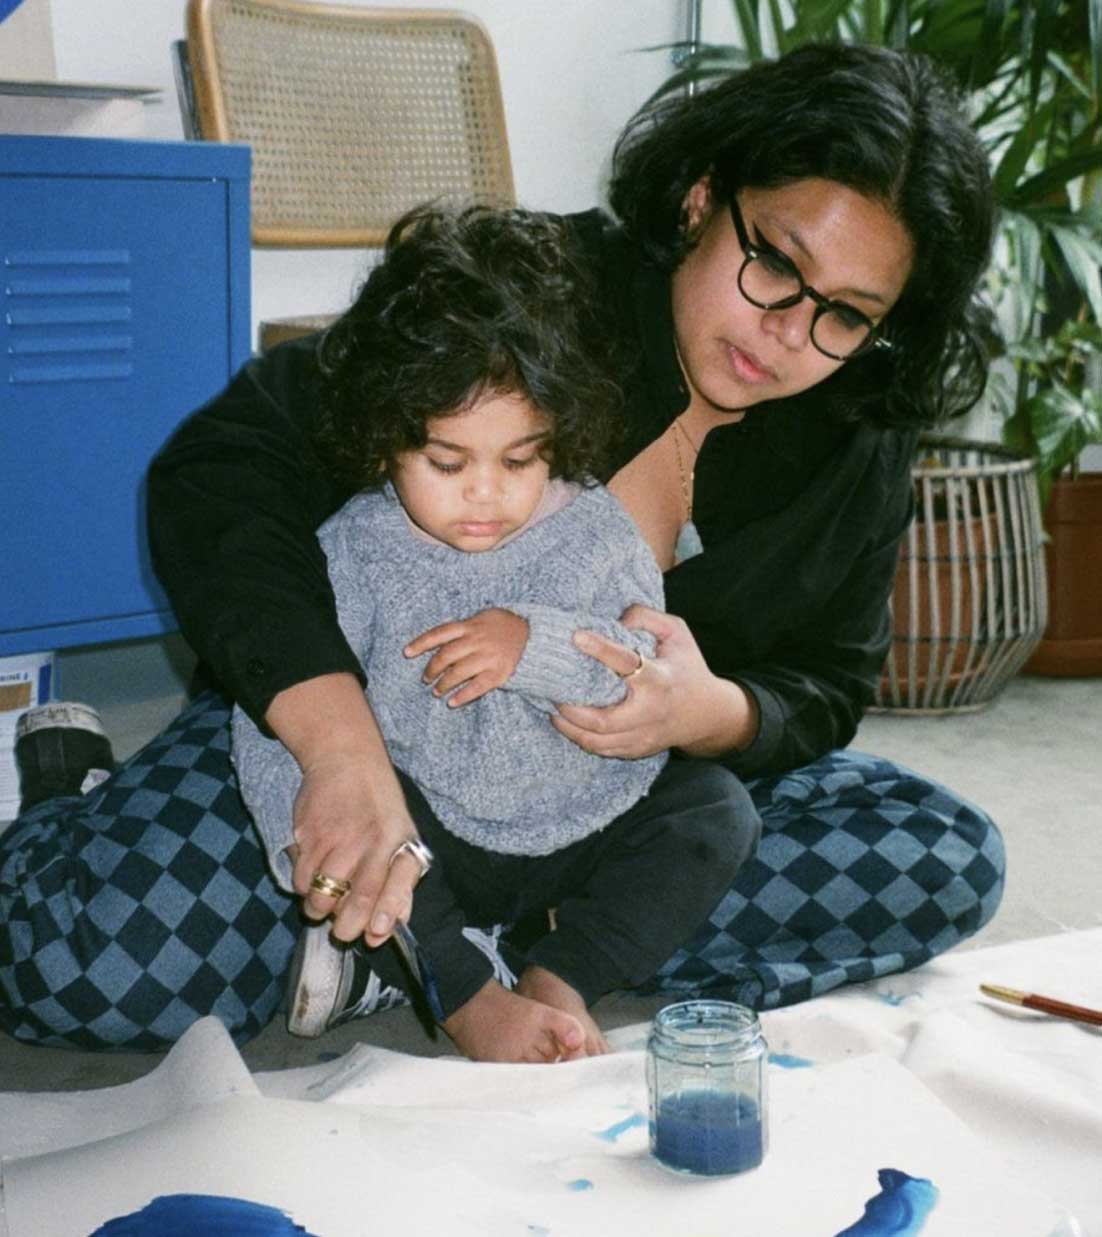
(125, 307)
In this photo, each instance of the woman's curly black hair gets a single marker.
(463, 304)
(884, 123)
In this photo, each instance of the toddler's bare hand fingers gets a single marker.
(478, 687)
(464, 670)
(442, 661)
(432, 639)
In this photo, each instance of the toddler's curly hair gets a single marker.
(467, 303)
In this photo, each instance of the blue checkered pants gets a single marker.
(127, 914)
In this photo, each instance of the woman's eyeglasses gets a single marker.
(770, 280)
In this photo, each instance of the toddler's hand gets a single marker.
(472, 656)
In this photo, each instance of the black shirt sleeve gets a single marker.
(820, 676)
(793, 605)
(235, 498)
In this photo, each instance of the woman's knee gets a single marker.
(904, 838)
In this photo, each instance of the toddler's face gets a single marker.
(480, 475)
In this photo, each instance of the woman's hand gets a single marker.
(673, 701)
(474, 655)
(347, 831)
(350, 815)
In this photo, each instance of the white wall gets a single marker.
(572, 73)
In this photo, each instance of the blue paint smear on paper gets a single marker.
(899, 1210)
(185, 1215)
(579, 1184)
(621, 1127)
(786, 1060)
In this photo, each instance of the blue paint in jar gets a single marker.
(708, 1133)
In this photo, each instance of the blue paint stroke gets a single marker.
(786, 1060)
(621, 1127)
(893, 998)
(8, 7)
(185, 1215)
(579, 1184)
(899, 1210)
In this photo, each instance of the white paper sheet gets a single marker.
(880, 1077)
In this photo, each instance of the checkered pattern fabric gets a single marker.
(864, 869)
(127, 914)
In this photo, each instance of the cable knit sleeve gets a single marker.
(268, 777)
(267, 773)
(615, 569)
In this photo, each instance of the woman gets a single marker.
(788, 292)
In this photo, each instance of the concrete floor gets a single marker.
(1032, 759)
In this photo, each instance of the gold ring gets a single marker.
(419, 851)
(330, 886)
(632, 673)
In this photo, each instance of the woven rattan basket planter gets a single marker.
(969, 604)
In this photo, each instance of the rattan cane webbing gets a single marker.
(970, 599)
(353, 115)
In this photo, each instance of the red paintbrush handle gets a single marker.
(1062, 1009)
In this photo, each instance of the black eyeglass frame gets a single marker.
(822, 303)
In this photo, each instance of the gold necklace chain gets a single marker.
(687, 477)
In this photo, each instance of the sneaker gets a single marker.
(330, 984)
(60, 749)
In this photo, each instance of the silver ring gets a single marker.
(420, 852)
(632, 673)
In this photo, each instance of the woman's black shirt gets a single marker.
(800, 516)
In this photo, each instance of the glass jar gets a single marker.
(706, 1080)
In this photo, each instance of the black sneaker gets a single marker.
(60, 749)
(329, 984)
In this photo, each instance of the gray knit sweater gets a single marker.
(495, 771)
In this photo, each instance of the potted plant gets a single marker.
(1031, 71)
(1047, 288)
(1058, 413)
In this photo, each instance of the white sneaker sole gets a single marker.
(67, 714)
(314, 982)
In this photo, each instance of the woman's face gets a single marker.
(847, 247)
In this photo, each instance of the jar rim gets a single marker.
(706, 1024)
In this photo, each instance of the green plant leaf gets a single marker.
(747, 18)
(1040, 188)
(988, 51)
(1022, 269)
(1061, 424)
(1022, 148)
(897, 24)
(1083, 255)
(1094, 24)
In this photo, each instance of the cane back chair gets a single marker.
(354, 115)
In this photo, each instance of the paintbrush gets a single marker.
(1044, 1004)
(425, 992)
